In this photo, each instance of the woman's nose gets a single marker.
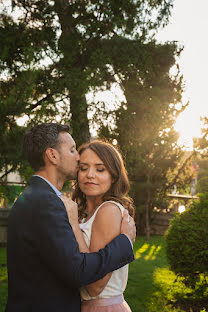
(91, 173)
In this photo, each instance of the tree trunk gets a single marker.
(79, 120)
(147, 214)
(76, 87)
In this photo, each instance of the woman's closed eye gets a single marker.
(83, 168)
(100, 169)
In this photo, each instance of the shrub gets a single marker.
(9, 193)
(187, 241)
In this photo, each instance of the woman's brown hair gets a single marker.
(114, 163)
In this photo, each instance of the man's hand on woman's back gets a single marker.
(128, 226)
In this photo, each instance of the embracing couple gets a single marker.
(70, 255)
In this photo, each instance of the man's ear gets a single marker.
(52, 155)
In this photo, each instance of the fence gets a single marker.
(4, 213)
(159, 225)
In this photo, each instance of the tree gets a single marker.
(201, 146)
(202, 176)
(56, 52)
(201, 143)
(52, 53)
(145, 130)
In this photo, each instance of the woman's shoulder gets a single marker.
(107, 221)
(109, 210)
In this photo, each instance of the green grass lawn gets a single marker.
(152, 287)
(143, 292)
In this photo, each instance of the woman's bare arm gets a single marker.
(106, 226)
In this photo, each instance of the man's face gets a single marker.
(68, 156)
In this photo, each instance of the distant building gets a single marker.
(13, 177)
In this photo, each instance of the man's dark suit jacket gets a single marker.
(45, 267)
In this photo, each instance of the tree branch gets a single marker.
(6, 173)
(33, 106)
(173, 182)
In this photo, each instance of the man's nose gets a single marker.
(77, 156)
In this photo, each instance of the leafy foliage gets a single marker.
(187, 240)
(202, 174)
(202, 185)
(145, 128)
(52, 53)
(201, 144)
(9, 193)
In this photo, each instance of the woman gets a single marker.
(101, 195)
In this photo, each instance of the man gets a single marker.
(45, 267)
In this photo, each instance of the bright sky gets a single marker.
(189, 26)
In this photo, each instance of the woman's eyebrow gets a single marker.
(98, 164)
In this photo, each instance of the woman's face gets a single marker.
(93, 177)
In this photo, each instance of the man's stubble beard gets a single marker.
(68, 176)
(71, 176)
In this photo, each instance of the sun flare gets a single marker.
(188, 125)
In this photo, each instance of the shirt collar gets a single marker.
(58, 193)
